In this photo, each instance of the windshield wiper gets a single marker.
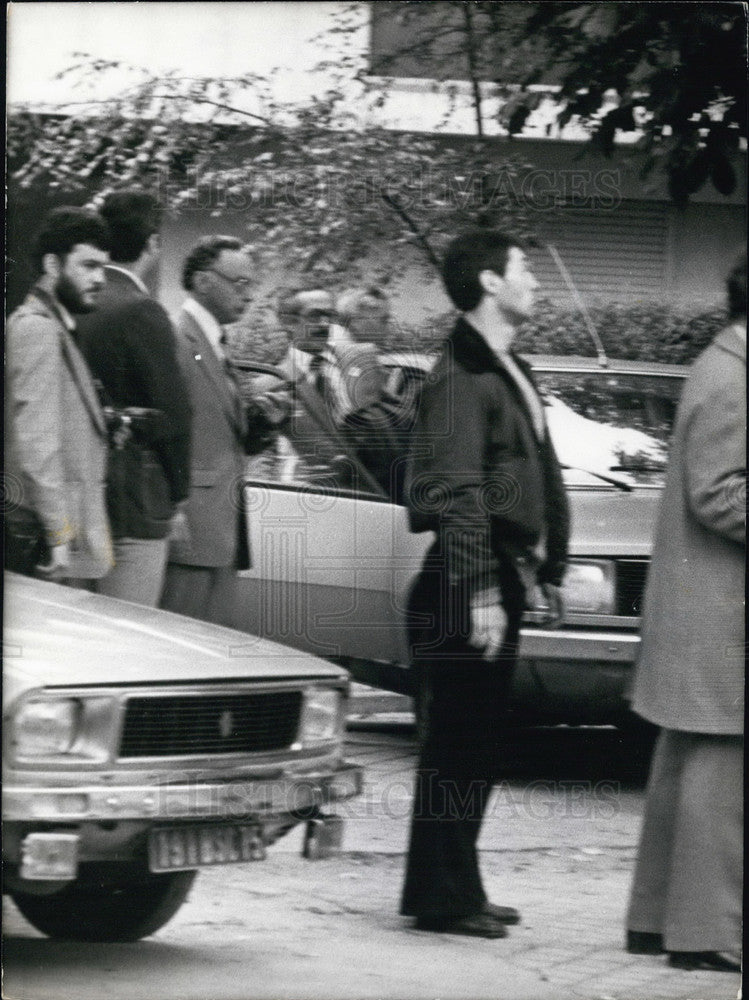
(619, 483)
(637, 468)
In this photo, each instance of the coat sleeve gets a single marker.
(36, 369)
(153, 353)
(715, 450)
(445, 490)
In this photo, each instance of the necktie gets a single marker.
(316, 374)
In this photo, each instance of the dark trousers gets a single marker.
(465, 702)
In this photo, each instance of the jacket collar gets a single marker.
(472, 352)
(733, 340)
(121, 276)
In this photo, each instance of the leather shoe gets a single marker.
(644, 943)
(504, 914)
(709, 961)
(477, 925)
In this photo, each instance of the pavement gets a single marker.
(558, 842)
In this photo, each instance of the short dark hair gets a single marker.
(133, 217)
(467, 256)
(736, 285)
(66, 227)
(205, 253)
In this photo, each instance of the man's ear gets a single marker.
(199, 281)
(153, 246)
(490, 281)
(52, 265)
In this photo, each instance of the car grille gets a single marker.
(631, 575)
(175, 725)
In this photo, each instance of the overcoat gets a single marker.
(56, 442)
(691, 667)
(214, 509)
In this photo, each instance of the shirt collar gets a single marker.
(298, 364)
(129, 274)
(207, 323)
(65, 316)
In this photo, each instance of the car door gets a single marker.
(332, 557)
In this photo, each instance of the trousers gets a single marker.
(688, 877)
(138, 572)
(465, 700)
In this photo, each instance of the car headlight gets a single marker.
(588, 587)
(322, 716)
(46, 727)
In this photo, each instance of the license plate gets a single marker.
(184, 847)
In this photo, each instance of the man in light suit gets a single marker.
(129, 344)
(202, 568)
(687, 891)
(56, 438)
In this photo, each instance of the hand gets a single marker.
(556, 612)
(179, 529)
(488, 627)
(59, 560)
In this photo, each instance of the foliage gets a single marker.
(678, 71)
(318, 188)
(640, 332)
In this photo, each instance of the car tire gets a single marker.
(124, 908)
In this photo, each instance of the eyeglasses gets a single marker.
(241, 283)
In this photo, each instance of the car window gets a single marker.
(611, 422)
(307, 452)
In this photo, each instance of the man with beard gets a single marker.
(129, 345)
(56, 438)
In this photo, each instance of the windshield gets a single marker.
(609, 422)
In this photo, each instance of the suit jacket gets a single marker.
(478, 475)
(56, 442)
(691, 668)
(215, 508)
(130, 347)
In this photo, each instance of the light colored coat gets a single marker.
(691, 671)
(56, 442)
(214, 509)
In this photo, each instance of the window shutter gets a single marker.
(611, 255)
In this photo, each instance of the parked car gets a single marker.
(333, 559)
(140, 746)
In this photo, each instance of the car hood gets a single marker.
(56, 635)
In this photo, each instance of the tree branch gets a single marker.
(396, 207)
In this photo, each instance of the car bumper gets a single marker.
(281, 796)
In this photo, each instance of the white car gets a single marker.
(334, 561)
(140, 746)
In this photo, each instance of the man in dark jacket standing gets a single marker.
(129, 344)
(484, 477)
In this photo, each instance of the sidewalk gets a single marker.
(562, 851)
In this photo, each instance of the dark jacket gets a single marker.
(129, 344)
(478, 475)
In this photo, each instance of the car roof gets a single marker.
(551, 362)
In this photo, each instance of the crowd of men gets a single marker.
(128, 431)
(127, 437)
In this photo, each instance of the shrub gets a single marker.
(647, 331)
